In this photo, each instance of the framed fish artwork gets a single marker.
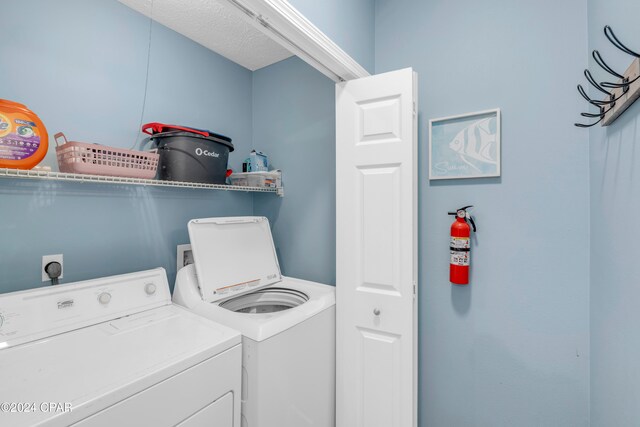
(465, 146)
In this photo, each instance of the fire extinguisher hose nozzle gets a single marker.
(473, 223)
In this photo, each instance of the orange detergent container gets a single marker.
(23, 138)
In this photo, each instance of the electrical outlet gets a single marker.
(184, 256)
(46, 259)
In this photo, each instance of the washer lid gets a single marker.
(233, 255)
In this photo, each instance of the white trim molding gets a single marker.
(288, 27)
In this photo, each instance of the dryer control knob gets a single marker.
(150, 288)
(104, 298)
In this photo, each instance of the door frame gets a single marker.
(288, 27)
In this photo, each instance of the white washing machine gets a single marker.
(115, 352)
(287, 325)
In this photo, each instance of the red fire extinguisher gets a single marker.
(460, 246)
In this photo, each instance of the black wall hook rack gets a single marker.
(619, 95)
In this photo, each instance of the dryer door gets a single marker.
(218, 414)
(189, 394)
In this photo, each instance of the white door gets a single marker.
(376, 203)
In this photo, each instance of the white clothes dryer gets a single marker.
(287, 324)
(115, 351)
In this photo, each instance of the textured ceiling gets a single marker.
(217, 25)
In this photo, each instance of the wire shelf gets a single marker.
(74, 177)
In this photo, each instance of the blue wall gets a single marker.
(615, 197)
(511, 349)
(294, 122)
(81, 66)
(350, 24)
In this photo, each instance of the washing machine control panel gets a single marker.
(38, 313)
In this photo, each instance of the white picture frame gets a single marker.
(465, 146)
